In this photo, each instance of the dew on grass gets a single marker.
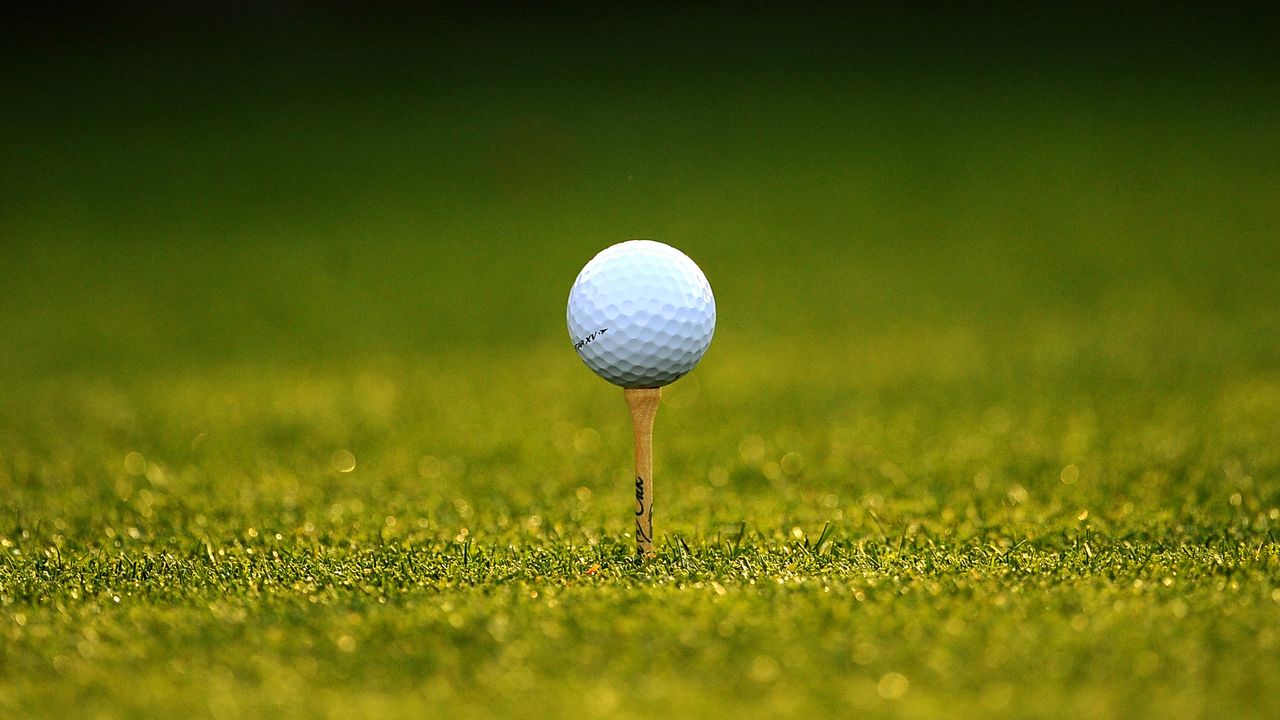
(454, 467)
(792, 463)
(893, 686)
(751, 449)
(343, 461)
(772, 471)
(429, 467)
(155, 474)
(135, 464)
(1018, 494)
(864, 653)
(586, 441)
(763, 669)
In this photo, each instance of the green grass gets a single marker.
(290, 426)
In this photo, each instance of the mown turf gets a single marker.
(290, 426)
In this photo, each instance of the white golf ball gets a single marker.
(641, 314)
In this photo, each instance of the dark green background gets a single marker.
(290, 424)
(307, 184)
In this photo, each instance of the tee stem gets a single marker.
(643, 403)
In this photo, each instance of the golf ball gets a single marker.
(641, 314)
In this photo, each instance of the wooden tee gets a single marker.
(644, 406)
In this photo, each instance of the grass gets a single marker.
(290, 426)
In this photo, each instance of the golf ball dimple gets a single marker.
(641, 314)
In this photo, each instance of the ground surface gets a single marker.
(291, 427)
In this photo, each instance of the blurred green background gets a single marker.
(997, 294)
(308, 185)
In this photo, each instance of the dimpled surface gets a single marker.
(641, 314)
